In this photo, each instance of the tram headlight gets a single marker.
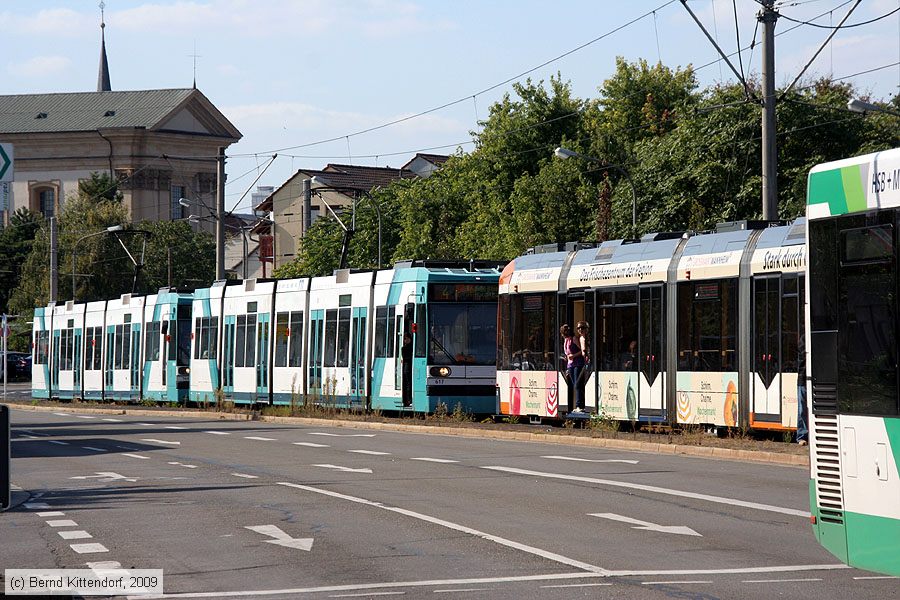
(184, 370)
(440, 371)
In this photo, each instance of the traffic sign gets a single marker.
(6, 162)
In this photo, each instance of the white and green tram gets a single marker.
(853, 320)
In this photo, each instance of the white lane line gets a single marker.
(161, 441)
(136, 456)
(174, 427)
(103, 565)
(51, 513)
(183, 465)
(125, 448)
(261, 439)
(88, 548)
(341, 434)
(58, 442)
(112, 420)
(63, 414)
(246, 476)
(77, 534)
(366, 594)
(146, 424)
(575, 585)
(435, 460)
(344, 469)
(85, 417)
(311, 445)
(594, 460)
(455, 527)
(656, 490)
(62, 523)
(461, 590)
(732, 571)
(370, 452)
(217, 432)
(877, 577)
(673, 582)
(36, 505)
(778, 580)
(92, 448)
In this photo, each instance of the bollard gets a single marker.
(5, 459)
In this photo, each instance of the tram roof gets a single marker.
(854, 184)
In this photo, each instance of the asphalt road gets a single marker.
(244, 509)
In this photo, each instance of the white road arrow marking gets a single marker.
(345, 469)
(605, 460)
(676, 529)
(281, 538)
(106, 476)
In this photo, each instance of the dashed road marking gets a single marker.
(370, 452)
(367, 594)
(575, 585)
(593, 460)
(51, 513)
(145, 424)
(112, 420)
(311, 445)
(77, 534)
(673, 582)
(103, 565)
(62, 523)
(92, 448)
(341, 434)
(36, 505)
(435, 460)
(161, 441)
(62, 414)
(88, 548)
(246, 476)
(779, 580)
(344, 469)
(58, 442)
(178, 464)
(261, 439)
(174, 427)
(85, 417)
(217, 432)
(136, 456)
(878, 577)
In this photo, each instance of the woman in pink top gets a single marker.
(574, 365)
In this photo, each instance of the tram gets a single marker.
(853, 207)
(685, 328)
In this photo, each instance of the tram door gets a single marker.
(134, 364)
(358, 356)
(262, 358)
(316, 325)
(228, 354)
(580, 308)
(767, 348)
(651, 352)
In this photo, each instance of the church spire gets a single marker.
(103, 84)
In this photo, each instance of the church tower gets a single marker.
(103, 76)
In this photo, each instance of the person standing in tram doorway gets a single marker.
(802, 411)
(406, 353)
(574, 366)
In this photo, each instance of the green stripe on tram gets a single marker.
(842, 189)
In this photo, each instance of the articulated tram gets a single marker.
(853, 208)
(408, 339)
(684, 328)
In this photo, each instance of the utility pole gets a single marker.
(768, 16)
(220, 214)
(54, 256)
(306, 189)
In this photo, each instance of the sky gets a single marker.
(290, 74)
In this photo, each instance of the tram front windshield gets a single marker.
(464, 331)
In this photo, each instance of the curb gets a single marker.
(758, 456)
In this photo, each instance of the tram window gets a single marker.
(707, 326)
(240, 343)
(250, 356)
(343, 338)
(119, 344)
(823, 266)
(126, 345)
(867, 356)
(98, 346)
(198, 328)
(330, 337)
(422, 331)
(531, 332)
(151, 342)
(281, 339)
(296, 341)
(381, 324)
(867, 244)
(183, 335)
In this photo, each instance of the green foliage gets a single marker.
(193, 256)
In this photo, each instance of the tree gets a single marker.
(193, 256)
(15, 245)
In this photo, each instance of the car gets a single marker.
(18, 366)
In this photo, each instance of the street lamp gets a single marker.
(320, 183)
(861, 106)
(565, 153)
(111, 229)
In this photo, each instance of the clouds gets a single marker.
(40, 67)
